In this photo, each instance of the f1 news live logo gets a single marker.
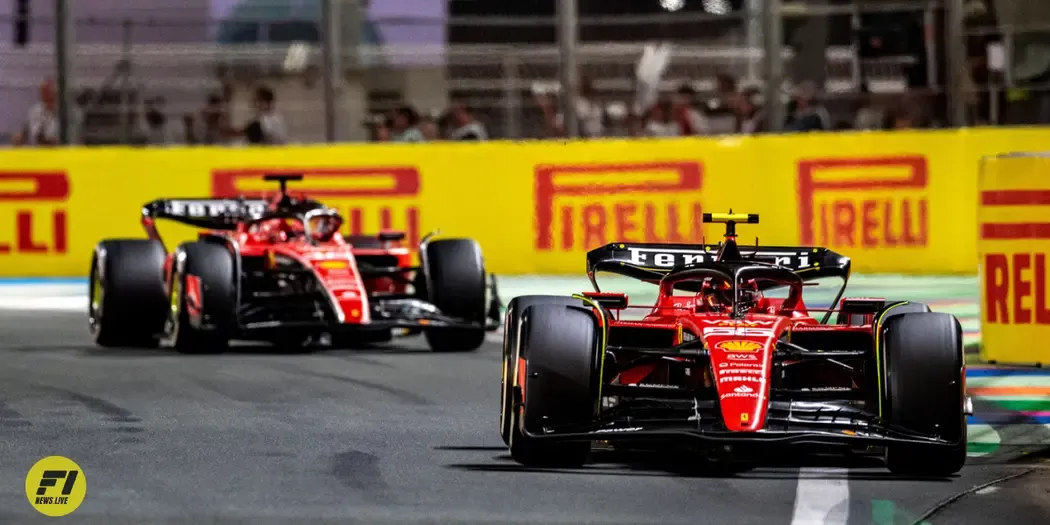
(371, 198)
(55, 486)
(33, 212)
(871, 202)
(1015, 280)
(583, 206)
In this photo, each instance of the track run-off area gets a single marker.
(397, 434)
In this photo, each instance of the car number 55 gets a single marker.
(738, 331)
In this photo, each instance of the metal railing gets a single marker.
(118, 63)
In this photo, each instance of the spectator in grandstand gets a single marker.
(405, 125)
(684, 111)
(429, 127)
(589, 112)
(658, 123)
(867, 115)
(805, 112)
(749, 114)
(466, 125)
(378, 127)
(214, 121)
(41, 126)
(157, 128)
(907, 113)
(268, 126)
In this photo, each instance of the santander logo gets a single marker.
(743, 389)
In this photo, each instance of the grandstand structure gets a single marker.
(494, 63)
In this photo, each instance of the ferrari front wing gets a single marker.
(788, 423)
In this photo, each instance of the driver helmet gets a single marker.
(323, 227)
(716, 296)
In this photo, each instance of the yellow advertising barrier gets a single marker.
(1014, 248)
(895, 202)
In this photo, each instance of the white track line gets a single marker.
(822, 497)
(54, 304)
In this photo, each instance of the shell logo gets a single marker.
(739, 345)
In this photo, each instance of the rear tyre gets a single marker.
(561, 385)
(127, 304)
(924, 391)
(454, 282)
(512, 352)
(210, 330)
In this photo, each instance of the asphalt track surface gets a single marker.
(385, 435)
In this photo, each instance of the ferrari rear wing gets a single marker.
(211, 214)
(810, 262)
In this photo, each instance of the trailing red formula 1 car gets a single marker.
(279, 271)
(722, 366)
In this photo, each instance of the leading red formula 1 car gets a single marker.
(280, 271)
(723, 364)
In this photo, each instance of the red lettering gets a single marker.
(696, 226)
(567, 228)
(628, 222)
(356, 222)
(863, 221)
(1042, 311)
(412, 225)
(53, 187)
(625, 225)
(913, 238)
(996, 287)
(650, 223)
(593, 226)
(60, 236)
(1022, 287)
(26, 242)
(46, 187)
(386, 222)
(579, 180)
(673, 235)
(24, 237)
(845, 216)
(869, 223)
(889, 236)
(824, 224)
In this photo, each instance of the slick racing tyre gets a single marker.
(896, 308)
(512, 353)
(454, 282)
(127, 304)
(203, 298)
(924, 391)
(561, 387)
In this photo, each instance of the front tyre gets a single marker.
(203, 298)
(561, 386)
(455, 283)
(513, 353)
(126, 299)
(924, 391)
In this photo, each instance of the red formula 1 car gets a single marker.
(279, 271)
(731, 361)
